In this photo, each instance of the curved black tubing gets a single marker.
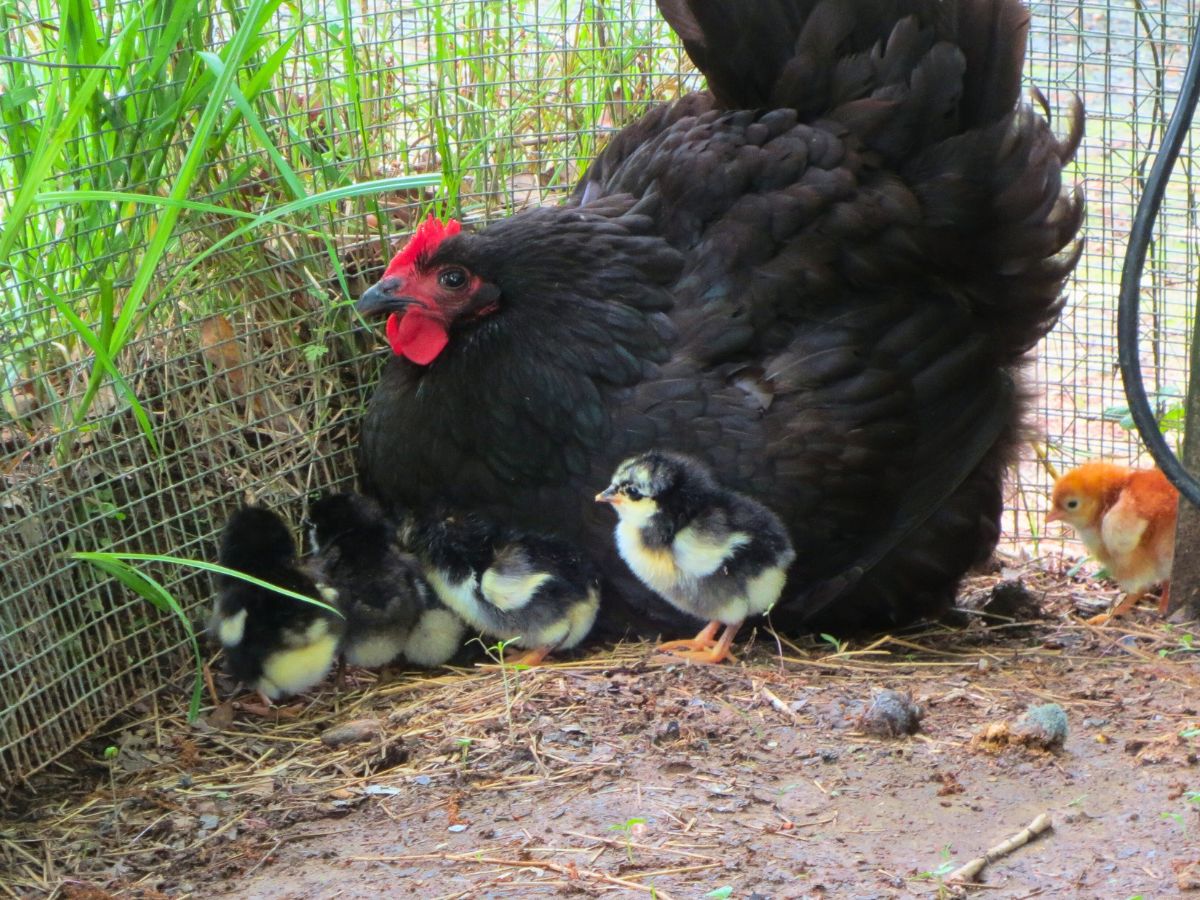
(1131, 280)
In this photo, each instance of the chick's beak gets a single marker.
(384, 297)
(1054, 516)
(608, 495)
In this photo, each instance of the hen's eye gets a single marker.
(633, 493)
(453, 278)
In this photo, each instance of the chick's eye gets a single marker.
(1072, 504)
(633, 493)
(453, 278)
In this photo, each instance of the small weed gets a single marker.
(839, 647)
(721, 893)
(1187, 643)
(464, 748)
(1192, 798)
(628, 827)
(1175, 817)
(511, 684)
(944, 868)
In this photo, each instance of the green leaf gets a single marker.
(52, 141)
(13, 100)
(721, 893)
(158, 596)
(193, 159)
(96, 556)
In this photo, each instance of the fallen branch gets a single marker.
(972, 869)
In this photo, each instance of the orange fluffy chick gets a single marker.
(1126, 518)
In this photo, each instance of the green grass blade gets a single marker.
(400, 183)
(93, 555)
(236, 53)
(158, 596)
(124, 388)
(49, 149)
(289, 176)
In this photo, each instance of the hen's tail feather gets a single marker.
(950, 64)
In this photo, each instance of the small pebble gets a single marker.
(891, 714)
(1042, 726)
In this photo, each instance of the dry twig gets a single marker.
(972, 869)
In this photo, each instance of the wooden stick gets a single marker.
(972, 869)
(777, 703)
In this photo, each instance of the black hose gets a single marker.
(1131, 282)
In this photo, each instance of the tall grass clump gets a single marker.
(114, 123)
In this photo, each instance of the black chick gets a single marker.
(708, 551)
(379, 588)
(536, 592)
(276, 644)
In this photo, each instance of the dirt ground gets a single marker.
(626, 774)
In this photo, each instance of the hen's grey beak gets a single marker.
(383, 297)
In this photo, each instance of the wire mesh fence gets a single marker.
(176, 330)
(1126, 61)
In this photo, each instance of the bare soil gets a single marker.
(624, 773)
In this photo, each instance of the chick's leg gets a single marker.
(530, 658)
(719, 652)
(1126, 604)
(706, 639)
(1164, 602)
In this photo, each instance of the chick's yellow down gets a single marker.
(1126, 519)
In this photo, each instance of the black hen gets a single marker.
(820, 278)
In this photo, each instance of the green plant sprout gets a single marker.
(496, 653)
(944, 868)
(839, 647)
(628, 827)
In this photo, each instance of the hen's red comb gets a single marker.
(428, 235)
